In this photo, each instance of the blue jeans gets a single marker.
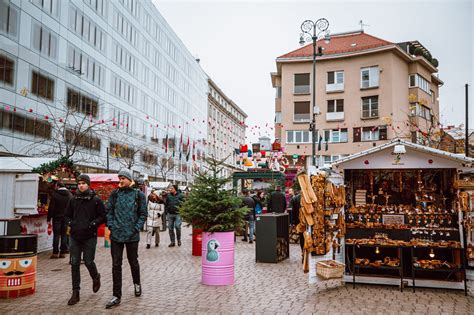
(59, 233)
(174, 222)
(87, 247)
(251, 224)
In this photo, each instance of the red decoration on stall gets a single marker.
(30, 110)
(430, 161)
(244, 148)
(366, 162)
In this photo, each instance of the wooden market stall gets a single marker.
(24, 199)
(402, 216)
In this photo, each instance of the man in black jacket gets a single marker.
(172, 202)
(295, 204)
(84, 213)
(277, 201)
(248, 202)
(56, 209)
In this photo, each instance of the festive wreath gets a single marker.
(63, 165)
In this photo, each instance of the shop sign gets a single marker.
(38, 226)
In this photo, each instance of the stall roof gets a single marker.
(21, 164)
(103, 177)
(417, 147)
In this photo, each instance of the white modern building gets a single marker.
(115, 67)
(226, 128)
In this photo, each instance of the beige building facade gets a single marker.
(226, 128)
(368, 91)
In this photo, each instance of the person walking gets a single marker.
(172, 202)
(84, 213)
(259, 200)
(295, 204)
(249, 218)
(277, 201)
(126, 214)
(156, 209)
(164, 194)
(56, 209)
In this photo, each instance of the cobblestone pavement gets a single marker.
(171, 284)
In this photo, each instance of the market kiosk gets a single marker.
(403, 217)
(24, 199)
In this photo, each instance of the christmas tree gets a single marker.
(210, 206)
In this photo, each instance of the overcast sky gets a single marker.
(238, 42)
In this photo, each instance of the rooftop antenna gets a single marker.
(361, 23)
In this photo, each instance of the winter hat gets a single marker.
(84, 178)
(125, 173)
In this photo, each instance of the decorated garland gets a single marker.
(62, 165)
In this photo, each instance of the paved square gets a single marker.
(171, 284)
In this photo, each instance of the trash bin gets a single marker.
(18, 255)
(197, 242)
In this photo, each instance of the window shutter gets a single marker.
(357, 134)
(374, 76)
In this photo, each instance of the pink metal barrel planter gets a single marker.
(217, 258)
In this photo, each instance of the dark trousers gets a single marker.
(301, 241)
(87, 248)
(116, 250)
(174, 222)
(59, 233)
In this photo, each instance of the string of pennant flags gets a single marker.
(263, 129)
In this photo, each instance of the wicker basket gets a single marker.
(330, 269)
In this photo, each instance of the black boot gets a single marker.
(74, 298)
(96, 283)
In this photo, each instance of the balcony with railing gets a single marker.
(335, 116)
(301, 89)
(301, 118)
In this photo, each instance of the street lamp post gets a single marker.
(312, 31)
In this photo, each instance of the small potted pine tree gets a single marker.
(218, 213)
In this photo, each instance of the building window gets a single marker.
(51, 7)
(335, 81)
(7, 70)
(335, 135)
(124, 58)
(16, 122)
(84, 140)
(42, 86)
(302, 112)
(86, 29)
(9, 19)
(372, 133)
(84, 65)
(369, 77)
(278, 117)
(44, 40)
(99, 6)
(82, 103)
(301, 83)
(278, 92)
(335, 106)
(416, 80)
(370, 107)
(119, 150)
(298, 136)
(421, 111)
